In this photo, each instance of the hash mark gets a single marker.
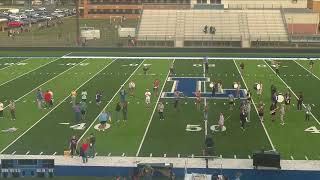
(27, 152)
(13, 152)
(41, 153)
(109, 154)
(150, 155)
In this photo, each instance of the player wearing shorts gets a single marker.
(98, 98)
(156, 85)
(132, 87)
(231, 102)
(198, 99)
(221, 121)
(259, 89)
(147, 95)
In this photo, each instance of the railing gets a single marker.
(284, 22)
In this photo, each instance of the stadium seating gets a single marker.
(231, 25)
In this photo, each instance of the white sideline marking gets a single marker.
(29, 71)
(14, 152)
(44, 83)
(110, 101)
(41, 153)
(292, 92)
(14, 64)
(307, 70)
(255, 107)
(54, 153)
(27, 152)
(154, 109)
(54, 108)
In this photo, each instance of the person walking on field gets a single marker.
(84, 95)
(282, 113)
(125, 111)
(39, 98)
(73, 97)
(160, 110)
(73, 145)
(132, 87)
(118, 109)
(98, 98)
(48, 99)
(1, 109)
(308, 112)
(12, 108)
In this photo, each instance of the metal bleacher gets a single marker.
(242, 26)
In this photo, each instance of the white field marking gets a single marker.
(150, 155)
(179, 155)
(235, 156)
(249, 156)
(29, 72)
(154, 110)
(220, 156)
(192, 156)
(165, 155)
(307, 70)
(54, 108)
(96, 154)
(27, 152)
(137, 67)
(41, 153)
(54, 153)
(255, 107)
(17, 62)
(313, 105)
(109, 154)
(174, 85)
(66, 55)
(45, 83)
(13, 152)
(306, 158)
(292, 91)
(291, 157)
(123, 154)
(205, 102)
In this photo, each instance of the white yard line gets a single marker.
(28, 72)
(205, 101)
(154, 110)
(17, 62)
(110, 101)
(47, 82)
(291, 90)
(54, 108)
(307, 70)
(255, 107)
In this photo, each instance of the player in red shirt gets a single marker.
(156, 85)
(48, 98)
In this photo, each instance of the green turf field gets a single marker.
(47, 131)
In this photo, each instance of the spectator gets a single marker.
(205, 29)
(73, 145)
(12, 107)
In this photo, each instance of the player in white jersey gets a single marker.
(148, 97)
